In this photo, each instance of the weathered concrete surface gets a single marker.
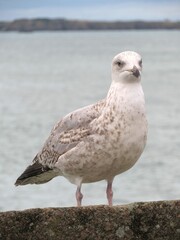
(153, 220)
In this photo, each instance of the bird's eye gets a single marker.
(120, 63)
(140, 63)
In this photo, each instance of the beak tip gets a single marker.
(136, 72)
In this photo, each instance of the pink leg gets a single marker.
(109, 192)
(79, 196)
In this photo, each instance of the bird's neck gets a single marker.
(125, 94)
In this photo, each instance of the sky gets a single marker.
(109, 10)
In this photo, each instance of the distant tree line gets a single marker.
(28, 25)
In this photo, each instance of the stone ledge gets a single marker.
(150, 220)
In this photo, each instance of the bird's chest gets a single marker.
(124, 129)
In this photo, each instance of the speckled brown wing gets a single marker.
(60, 143)
(66, 134)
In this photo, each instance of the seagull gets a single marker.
(99, 141)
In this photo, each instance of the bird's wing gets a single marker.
(68, 133)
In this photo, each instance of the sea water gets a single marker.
(45, 75)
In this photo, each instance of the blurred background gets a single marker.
(46, 74)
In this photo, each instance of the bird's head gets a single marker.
(127, 67)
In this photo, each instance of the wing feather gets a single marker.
(68, 132)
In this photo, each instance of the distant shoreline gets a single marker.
(45, 24)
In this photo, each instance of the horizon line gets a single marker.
(90, 20)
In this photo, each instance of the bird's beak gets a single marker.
(135, 71)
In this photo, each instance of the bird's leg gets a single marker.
(79, 196)
(109, 192)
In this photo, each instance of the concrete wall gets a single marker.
(153, 220)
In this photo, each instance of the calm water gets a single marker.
(43, 76)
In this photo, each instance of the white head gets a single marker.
(127, 67)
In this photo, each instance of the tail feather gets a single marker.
(35, 174)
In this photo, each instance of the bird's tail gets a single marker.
(35, 174)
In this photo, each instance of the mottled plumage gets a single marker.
(99, 141)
